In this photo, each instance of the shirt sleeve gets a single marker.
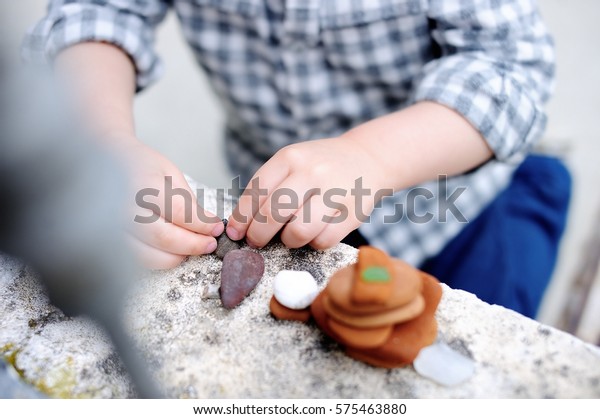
(496, 68)
(128, 24)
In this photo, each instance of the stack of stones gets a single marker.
(381, 309)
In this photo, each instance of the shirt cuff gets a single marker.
(73, 24)
(486, 95)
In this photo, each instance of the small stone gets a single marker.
(281, 312)
(444, 365)
(242, 269)
(225, 245)
(360, 338)
(384, 318)
(210, 291)
(406, 285)
(295, 289)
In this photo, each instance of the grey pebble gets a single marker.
(225, 245)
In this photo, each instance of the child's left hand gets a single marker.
(309, 192)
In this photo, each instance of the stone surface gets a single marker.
(197, 348)
(295, 289)
(241, 271)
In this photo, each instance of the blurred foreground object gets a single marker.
(62, 203)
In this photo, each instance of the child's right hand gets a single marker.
(162, 239)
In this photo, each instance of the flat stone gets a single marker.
(383, 318)
(359, 338)
(196, 348)
(282, 312)
(406, 285)
(241, 271)
(408, 338)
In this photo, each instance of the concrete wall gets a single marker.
(180, 116)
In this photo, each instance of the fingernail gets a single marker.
(212, 246)
(233, 234)
(218, 230)
(251, 243)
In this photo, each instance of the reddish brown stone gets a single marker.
(317, 309)
(360, 338)
(283, 313)
(241, 271)
(382, 318)
(432, 292)
(409, 338)
(406, 285)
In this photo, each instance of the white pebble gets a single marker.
(295, 289)
(444, 365)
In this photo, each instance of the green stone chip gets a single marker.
(376, 274)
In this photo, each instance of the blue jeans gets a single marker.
(507, 254)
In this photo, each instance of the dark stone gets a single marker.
(225, 245)
(242, 269)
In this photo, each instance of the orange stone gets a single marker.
(372, 289)
(317, 309)
(383, 318)
(406, 341)
(360, 338)
(283, 313)
(406, 285)
(432, 292)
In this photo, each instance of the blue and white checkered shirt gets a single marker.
(293, 70)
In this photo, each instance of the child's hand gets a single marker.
(309, 191)
(165, 230)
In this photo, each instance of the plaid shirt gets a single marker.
(293, 70)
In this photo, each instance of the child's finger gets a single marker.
(308, 223)
(174, 239)
(153, 258)
(265, 180)
(277, 210)
(177, 204)
(334, 233)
